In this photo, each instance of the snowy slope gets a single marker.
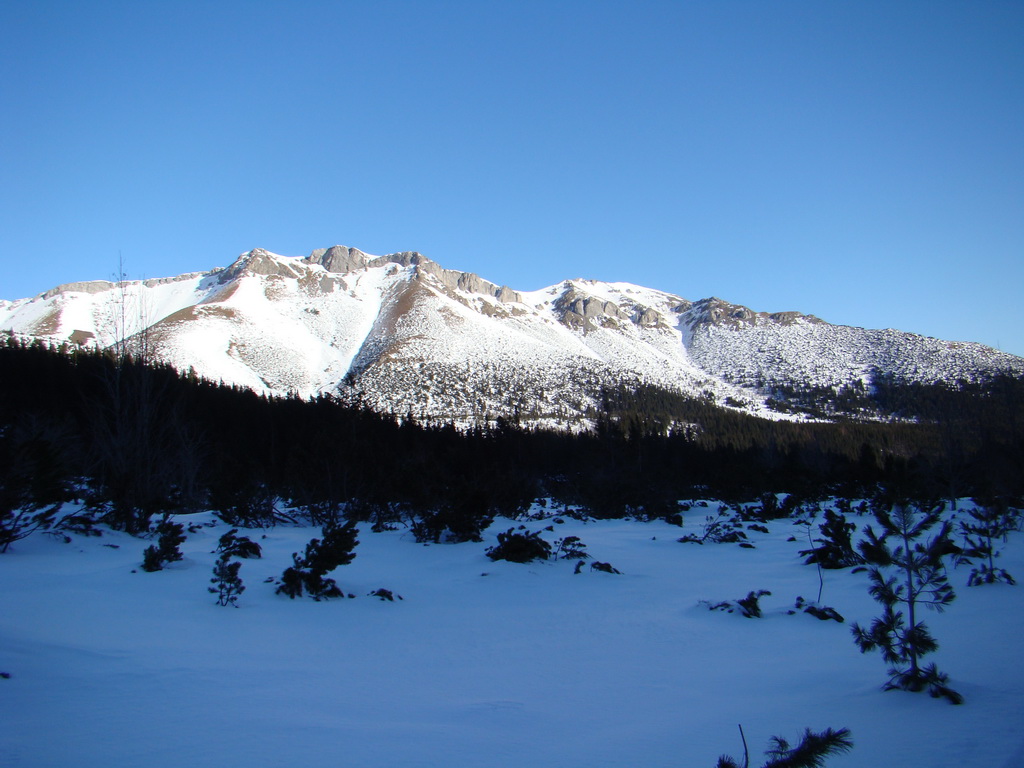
(404, 335)
(482, 663)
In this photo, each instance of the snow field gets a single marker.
(483, 663)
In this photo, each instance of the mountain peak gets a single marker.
(259, 261)
(338, 258)
(402, 334)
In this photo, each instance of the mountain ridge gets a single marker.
(402, 334)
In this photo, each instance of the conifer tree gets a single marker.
(227, 584)
(987, 524)
(307, 574)
(909, 574)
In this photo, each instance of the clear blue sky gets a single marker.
(862, 161)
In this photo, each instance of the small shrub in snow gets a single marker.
(231, 545)
(19, 523)
(385, 595)
(721, 528)
(227, 584)
(809, 753)
(835, 547)
(454, 524)
(770, 508)
(78, 523)
(748, 606)
(519, 547)
(570, 548)
(307, 574)
(252, 505)
(171, 535)
(822, 612)
(910, 574)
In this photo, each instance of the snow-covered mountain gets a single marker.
(404, 335)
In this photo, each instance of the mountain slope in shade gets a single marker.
(402, 334)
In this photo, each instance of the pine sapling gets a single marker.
(227, 584)
(988, 523)
(909, 574)
(809, 753)
(570, 548)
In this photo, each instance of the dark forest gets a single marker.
(134, 442)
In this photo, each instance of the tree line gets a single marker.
(132, 442)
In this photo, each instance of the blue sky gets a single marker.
(861, 161)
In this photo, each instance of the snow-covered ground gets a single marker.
(483, 663)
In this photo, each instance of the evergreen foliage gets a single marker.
(811, 752)
(835, 546)
(145, 442)
(906, 570)
(307, 573)
(820, 612)
(231, 545)
(988, 523)
(33, 480)
(166, 550)
(227, 584)
(749, 606)
(721, 528)
(519, 547)
(570, 548)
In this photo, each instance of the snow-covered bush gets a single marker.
(570, 548)
(231, 545)
(249, 504)
(720, 528)
(821, 612)
(307, 574)
(519, 547)
(835, 546)
(748, 606)
(166, 550)
(452, 523)
(32, 486)
(385, 595)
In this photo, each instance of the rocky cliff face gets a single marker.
(402, 334)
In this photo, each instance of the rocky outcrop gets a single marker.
(342, 259)
(576, 309)
(89, 286)
(339, 258)
(713, 311)
(258, 262)
(646, 317)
